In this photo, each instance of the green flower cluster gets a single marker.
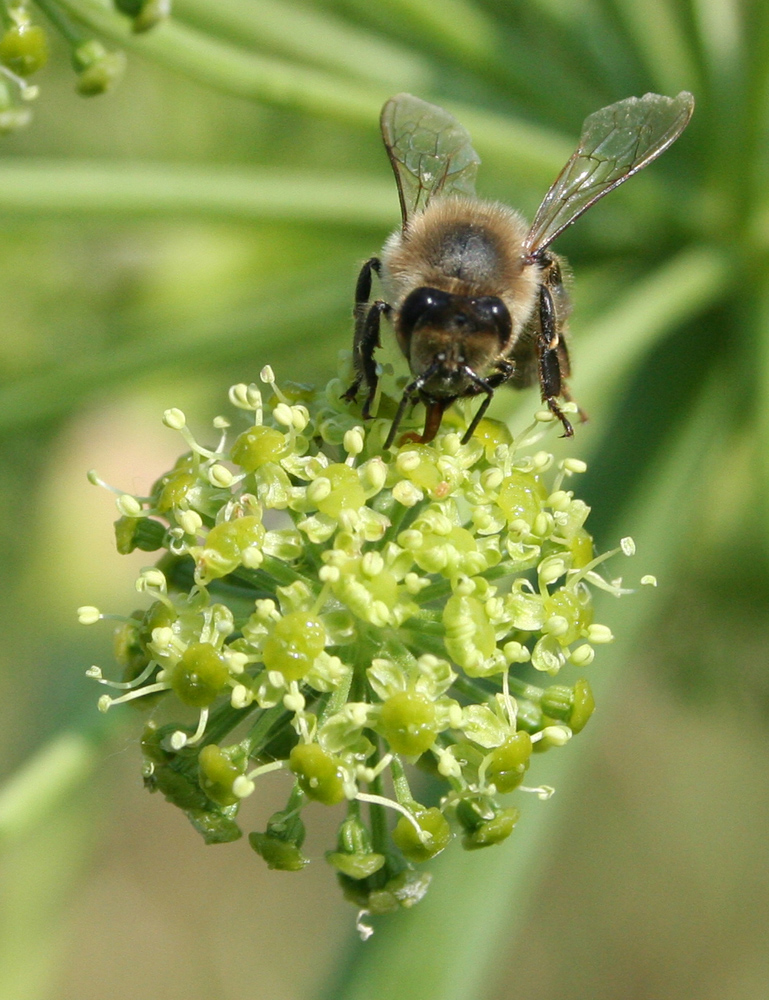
(24, 51)
(329, 609)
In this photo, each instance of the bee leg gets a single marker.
(477, 418)
(550, 379)
(408, 392)
(487, 385)
(366, 339)
(563, 357)
(366, 342)
(506, 370)
(363, 284)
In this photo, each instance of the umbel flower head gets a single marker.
(345, 615)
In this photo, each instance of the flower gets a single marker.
(340, 612)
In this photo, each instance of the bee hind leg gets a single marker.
(550, 372)
(563, 358)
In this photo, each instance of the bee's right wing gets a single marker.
(616, 142)
(430, 152)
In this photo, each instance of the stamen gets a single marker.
(129, 506)
(242, 787)
(89, 615)
(380, 800)
(95, 480)
(612, 587)
(247, 397)
(576, 575)
(94, 673)
(177, 421)
(543, 792)
(369, 774)
(106, 702)
(180, 739)
(325, 592)
(511, 705)
(275, 765)
(354, 442)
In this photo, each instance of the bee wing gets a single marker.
(616, 142)
(430, 152)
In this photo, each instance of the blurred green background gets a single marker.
(208, 216)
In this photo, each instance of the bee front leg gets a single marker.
(366, 339)
(366, 342)
(550, 375)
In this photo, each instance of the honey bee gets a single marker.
(474, 295)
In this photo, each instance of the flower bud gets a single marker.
(199, 676)
(408, 722)
(320, 775)
(435, 836)
(98, 69)
(24, 49)
(218, 772)
(509, 762)
(296, 640)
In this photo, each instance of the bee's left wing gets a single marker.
(430, 152)
(616, 142)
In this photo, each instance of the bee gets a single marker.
(475, 296)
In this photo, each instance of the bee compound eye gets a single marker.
(421, 305)
(493, 311)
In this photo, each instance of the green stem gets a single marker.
(273, 572)
(224, 719)
(234, 70)
(400, 517)
(532, 152)
(337, 700)
(63, 24)
(138, 190)
(473, 690)
(681, 289)
(523, 690)
(659, 37)
(261, 732)
(309, 35)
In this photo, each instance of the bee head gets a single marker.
(449, 333)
